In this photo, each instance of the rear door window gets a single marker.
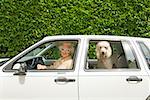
(146, 52)
(110, 55)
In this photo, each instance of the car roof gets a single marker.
(95, 37)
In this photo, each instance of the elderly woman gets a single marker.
(65, 62)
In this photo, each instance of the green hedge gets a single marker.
(24, 22)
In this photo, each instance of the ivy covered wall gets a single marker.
(24, 22)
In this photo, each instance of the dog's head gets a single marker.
(103, 50)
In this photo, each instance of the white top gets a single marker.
(68, 64)
(62, 64)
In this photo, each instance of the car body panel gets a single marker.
(38, 86)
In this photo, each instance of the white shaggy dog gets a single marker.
(104, 53)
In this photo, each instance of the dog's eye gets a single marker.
(106, 48)
(100, 47)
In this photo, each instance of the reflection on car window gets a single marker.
(110, 55)
(39, 50)
(146, 52)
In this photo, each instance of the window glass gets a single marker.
(146, 52)
(50, 56)
(110, 55)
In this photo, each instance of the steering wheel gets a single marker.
(32, 63)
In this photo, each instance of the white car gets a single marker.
(128, 80)
(3, 60)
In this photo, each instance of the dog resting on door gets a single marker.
(104, 53)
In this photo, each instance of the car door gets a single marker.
(49, 84)
(126, 80)
(144, 51)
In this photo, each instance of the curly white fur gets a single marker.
(103, 53)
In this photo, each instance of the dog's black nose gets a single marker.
(103, 53)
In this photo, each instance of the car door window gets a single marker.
(110, 55)
(56, 55)
(146, 52)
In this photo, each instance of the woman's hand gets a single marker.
(39, 66)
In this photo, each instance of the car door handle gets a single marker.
(64, 80)
(134, 78)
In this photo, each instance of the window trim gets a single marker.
(134, 53)
(138, 42)
(111, 70)
(49, 70)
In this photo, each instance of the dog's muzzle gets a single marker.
(103, 54)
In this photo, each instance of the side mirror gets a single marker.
(21, 70)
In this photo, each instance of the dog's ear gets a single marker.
(109, 52)
(97, 52)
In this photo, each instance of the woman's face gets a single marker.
(65, 50)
